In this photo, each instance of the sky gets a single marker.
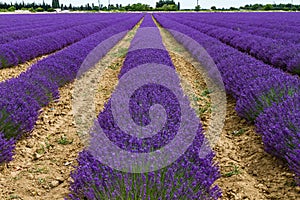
(185, 4)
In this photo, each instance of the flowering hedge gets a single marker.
(46, 26)
(23, 97)
(279, 126)
(278, 53)
(257, 87)
(189, 177)
(6, 148)
(278, 26)
(20, 51)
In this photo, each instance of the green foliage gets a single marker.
(234, 171)
(55, 4)
(39, 9)
(11, 9)
(197, 8)
(268, 7)
(31, 10)
(50, 10)
(64, 140)
(169, 7)
(161, 3)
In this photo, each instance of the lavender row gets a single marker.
(189, 177)
(244, 27)
(275, 21)
(33, 32)
(273, 52)
(10, 23)
(258, 89)
(21, 51)
(22, 98)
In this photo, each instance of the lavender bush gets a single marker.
(20, 51)
(257, 87)
(279, 126)
(264, 92)
(6, 148)
(23, 97)
(278, 53)
(189, 177)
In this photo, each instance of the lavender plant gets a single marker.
(6, 148)
(189, 177)
(279, 126)
(23, 97)
(264, 94)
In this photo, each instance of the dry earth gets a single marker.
(45, 158)
(15, 71)
(248, 172)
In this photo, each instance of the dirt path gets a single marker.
(43, 161)
(248, 172)
(15, 71)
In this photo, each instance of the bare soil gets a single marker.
(15, 71)
(248, 172)
(44, 159)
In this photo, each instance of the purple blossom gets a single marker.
(6, 148)
(264, 94)
(189, 176)
(279, 126)
(23, 97)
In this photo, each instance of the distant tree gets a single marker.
(197, 8)
(44, 5)
(11, 9)
(50, 10)
(213, 8)
(70, 7)
(233, 8)
(178, 6)
(161, 3)
(169, 7)
(55, 4)
(268, 7)
(39, 9)
(96, 8)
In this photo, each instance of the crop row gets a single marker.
(273, 52)
(280, 35)
(21, 51)
(266, 96)
(23, 97)
(188, 177)
(286, 22)
(9, 23)
(33, 32)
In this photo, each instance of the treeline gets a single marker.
(161, 5)
(261, 7)
(284, 7)
(25, 6)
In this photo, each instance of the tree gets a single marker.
(11, 9)
(161, 3)
(268, 7)
(213, 8)
(197, 8)
(55, 4)
(40, 9)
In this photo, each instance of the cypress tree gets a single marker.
(55, 4)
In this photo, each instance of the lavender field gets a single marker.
(123, 105)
